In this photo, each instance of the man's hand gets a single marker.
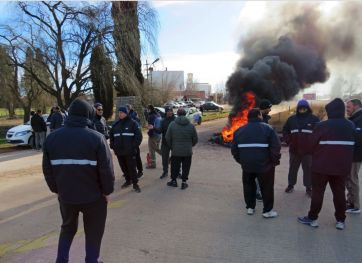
(150, 127)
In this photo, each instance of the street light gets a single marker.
(151, 70)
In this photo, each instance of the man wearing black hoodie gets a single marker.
(296, 132)
(354, 111)
(332, 144)
(77, 165)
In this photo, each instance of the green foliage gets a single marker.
(102, 79)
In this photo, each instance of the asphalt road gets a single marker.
(205, 223)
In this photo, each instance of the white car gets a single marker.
(194, 115)
(22, 134)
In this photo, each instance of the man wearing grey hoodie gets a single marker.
(181, 136)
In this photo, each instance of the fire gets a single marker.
(240, 119)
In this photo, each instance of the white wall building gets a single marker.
(167, 80)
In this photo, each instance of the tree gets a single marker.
(132, 20)
(102, 79)
(6, 76)
(65, 36)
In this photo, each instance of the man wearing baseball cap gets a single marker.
(125, 138)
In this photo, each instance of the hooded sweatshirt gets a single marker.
(181, 136)
(298, 129)
(77, 163)
(333, 142)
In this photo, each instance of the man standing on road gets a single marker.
(181, 136)
(354, 111)
(165, 149)
(265, 107)
(57, 119)
(297, 132)
(125, 138)
(134, 116)
(332, 144)
(77, 165)
(40, 128)
(99, 121)
(256, 147)
(154, 137)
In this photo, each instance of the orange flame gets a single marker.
(240, 119)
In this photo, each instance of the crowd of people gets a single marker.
(329, 152)
(78, 166)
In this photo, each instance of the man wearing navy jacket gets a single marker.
(256, 147)
(296, 132)
(332, 144)
(125, 138)
(77, 165)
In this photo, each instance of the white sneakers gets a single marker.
(250, 211)
(270, 214)
(340, 225)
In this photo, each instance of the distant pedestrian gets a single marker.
(265, 108)
(332, 144)
(181, 136)
(256, 147)
(57, 119)
(39, 127)
(99, 121)
(125, 138)
(134, 116)
(154, 136)
(77, 165)
(165, 148)
(202, 110)
(297, 132)
(354, 111)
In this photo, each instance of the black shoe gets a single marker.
(172, 183)
(139, 174)
(126, 184)
(308, 191)
(136, 188)
(184, 185)
(258, 197)
(164, 175)
(289, 189)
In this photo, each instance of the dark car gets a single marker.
(211, 106)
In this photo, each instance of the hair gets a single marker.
(150, 107)
(356, 102)
(56, 108)
(38, 111)
(254, 113)
(181, 112)
(32, 113)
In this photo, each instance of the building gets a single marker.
(198, 89)
(167, 80)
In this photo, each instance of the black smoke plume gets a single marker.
(283, 56)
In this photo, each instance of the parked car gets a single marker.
(211, 106)
(171, 104)
(161, 111)
(194, 115)
(22, 134)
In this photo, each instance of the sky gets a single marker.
(199, 37)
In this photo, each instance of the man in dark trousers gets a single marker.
(40, 128)
(134, 116)
(256, 147)
(181, 136)
(57, 119)
(297, 132)
(354, 111)
(154, 137)
(99, 121)
(332, 144)
(265, 108)
(125, 138)
(165, 149)
(77, 165)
